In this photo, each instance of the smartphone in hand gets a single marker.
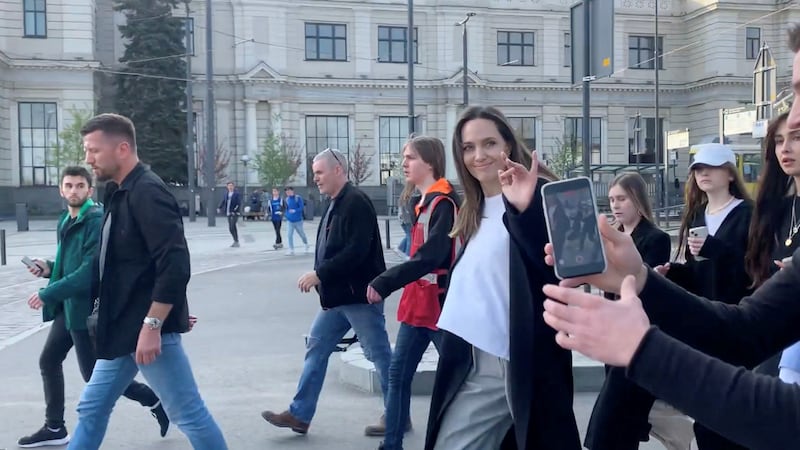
(29, 262)
(571, 215)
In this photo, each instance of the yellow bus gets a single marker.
(748, 163)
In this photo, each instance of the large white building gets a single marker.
(333, 73)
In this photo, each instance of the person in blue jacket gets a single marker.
(294, 217)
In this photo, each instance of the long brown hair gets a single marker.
(696, 200)
(773, 187)
(636, 189)
(431, 151)
(469, 215)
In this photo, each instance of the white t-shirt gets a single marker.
(713, 221)
(477, 305)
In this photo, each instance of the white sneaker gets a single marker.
(290, 253)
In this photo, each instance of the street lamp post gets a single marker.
(463, 24)
(245, 159)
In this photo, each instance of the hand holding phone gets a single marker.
(697, 238)
(36, 267)
(571, 216)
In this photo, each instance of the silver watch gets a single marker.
(153, 322)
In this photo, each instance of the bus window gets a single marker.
(750, 167)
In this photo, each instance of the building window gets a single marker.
(38, 135)
(35, 12)
(392, 136)
(515, 48)
(326, 42)
(752, 44)
(573, 138)
(567, 50)
(189, 22)
(641, 52)
(392, 46)
(525, 127)
(647, 140)
(325, 132)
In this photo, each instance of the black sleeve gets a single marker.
(528, 230)
(744, 334)
(682, 275)
(358, 219)
(157, 214)
(754, 410)
(657, 250)
(434, 253)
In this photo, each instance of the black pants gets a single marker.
(232, 227)
(277, 225)
(59, 342)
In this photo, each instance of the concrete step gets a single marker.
(359, 373)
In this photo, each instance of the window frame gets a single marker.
(750, 52)
(648, 125)
(190, 22)
(49, 130)
(507, 46)
(573, 129)
(388, 144)
(518, 125)
(567, 49)
(320, 143)
(648, 47)
(36, 12)
(390, 40)
(333, 38)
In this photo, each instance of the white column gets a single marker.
(224, 142)
(251, 136)
(451, 115)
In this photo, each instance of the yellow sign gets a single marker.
(606, 62)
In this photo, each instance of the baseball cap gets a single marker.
(713, 155)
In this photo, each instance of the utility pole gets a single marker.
(211, 142)
(189, 117)
(662, 182)
(463, 24)
(410, 54)
(587, 79)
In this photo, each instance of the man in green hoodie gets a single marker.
(66, 302)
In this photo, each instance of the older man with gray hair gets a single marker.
(348, 256)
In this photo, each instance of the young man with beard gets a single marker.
(139, 290)
(66, 302)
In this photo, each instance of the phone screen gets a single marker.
(572, 226)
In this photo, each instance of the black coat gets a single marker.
(352, 256)
(540, 372)
(653, 244)
(147, 261)
(759, 412)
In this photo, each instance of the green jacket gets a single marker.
(69, 289)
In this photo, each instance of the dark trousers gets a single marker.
(277, 225)
(232, 227)
(59, 342)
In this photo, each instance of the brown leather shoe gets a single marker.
(285, 420)
(379, 429)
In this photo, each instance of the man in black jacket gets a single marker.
(139, 290)
(348, 257)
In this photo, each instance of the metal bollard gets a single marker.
(3, 247)
(388, 238)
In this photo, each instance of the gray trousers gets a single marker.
(480, 415)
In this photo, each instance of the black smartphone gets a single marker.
(571, 215)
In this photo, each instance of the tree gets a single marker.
(566, 156)
(278, 160)
(222, 157)
(151, 92)
(69, 149)
(359, 165)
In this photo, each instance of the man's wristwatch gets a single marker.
(153, 322)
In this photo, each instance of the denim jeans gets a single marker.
(405, 244)
(327, 330)
(408, 350)
(296, 226)
(171, 377)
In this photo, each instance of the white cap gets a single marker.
(713, 155)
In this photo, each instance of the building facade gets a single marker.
(331, 73)
(46, 66)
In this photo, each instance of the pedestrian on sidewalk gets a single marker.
(66, 302)
(275, 210)
(348, 257)
(424, 279)
(231, 203)
(139, 290)
(294, 217)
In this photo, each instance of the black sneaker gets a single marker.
(161, 416)
(45, 437)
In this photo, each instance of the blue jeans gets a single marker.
(296, 226)
(405, 244)
(408, 350)
(328, 329)
(170, 376)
